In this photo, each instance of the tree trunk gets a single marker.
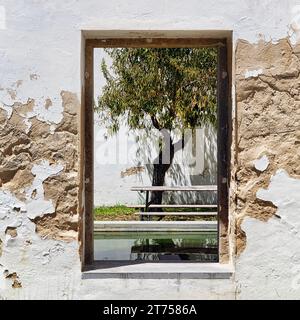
(158, 179)
(160, 167)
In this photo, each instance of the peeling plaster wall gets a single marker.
(40, 90)
(268, 170)
(271, 258)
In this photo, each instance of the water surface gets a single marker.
(156, 246)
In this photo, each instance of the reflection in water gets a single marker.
(156, 246)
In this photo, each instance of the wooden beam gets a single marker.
(89, 156)
(223, 153)
(155, 42)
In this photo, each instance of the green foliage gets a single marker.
(113, 210)
(163, 88)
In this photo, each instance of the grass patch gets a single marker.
(117, 212)
(114, 210)
(122, 213)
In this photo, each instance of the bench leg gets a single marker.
(147, 203)
(141, 216)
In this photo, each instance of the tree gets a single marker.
(165, 89)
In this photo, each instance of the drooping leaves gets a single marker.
(166, 88)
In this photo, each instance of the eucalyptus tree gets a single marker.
(165, 89)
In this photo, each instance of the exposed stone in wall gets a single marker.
(16, 283)
(62, 145)
(12, 231)
(39, 170)
(268, 123)
(132, 171)
(39, 189)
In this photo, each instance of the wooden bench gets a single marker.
(190, 206)
(145, 208)
(179, 188)
(177, 213)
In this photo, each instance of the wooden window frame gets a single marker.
(224, 126)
